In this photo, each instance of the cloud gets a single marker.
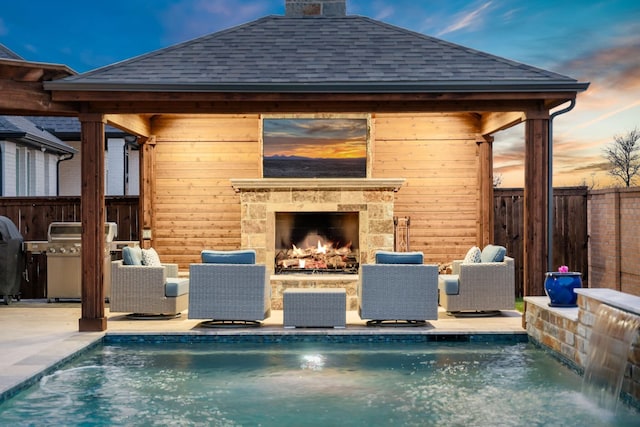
(466, 20)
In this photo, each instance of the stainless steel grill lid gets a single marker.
(72, 231)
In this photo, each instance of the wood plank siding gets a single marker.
(195, 208)
(436, 154)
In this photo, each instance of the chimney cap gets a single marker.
(315, 8)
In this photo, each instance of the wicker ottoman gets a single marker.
(315, 307)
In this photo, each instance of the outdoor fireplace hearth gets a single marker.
(316, 242)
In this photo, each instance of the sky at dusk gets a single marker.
(591, 41)
(317, 138)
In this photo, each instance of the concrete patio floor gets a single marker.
(38, 335)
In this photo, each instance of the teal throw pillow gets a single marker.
(493, 253)
(132, 255)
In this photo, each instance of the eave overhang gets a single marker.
(326, 87)
(21, 85)
(36, 142)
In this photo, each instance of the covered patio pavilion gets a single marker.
(299, 65)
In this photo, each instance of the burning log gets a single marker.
(320, 257)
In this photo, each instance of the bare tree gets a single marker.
(623, 155)
(497, 180)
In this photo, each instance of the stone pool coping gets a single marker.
(565, 332)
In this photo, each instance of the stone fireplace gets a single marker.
(262, 200)
(317, 242)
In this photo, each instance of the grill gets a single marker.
(64, 259)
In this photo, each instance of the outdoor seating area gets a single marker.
(398, 287)
(229, 289)
(482, 283)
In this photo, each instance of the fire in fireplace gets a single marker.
(317, 242)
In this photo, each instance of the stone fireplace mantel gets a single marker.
(372, 199)
(392, 184)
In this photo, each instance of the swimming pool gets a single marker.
(311, 384)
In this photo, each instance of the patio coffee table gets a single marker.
(315, 307)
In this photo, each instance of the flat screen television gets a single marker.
(314, 148)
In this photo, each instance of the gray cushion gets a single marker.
(132, 256)
(473, 255)
(492, 253)
(449, 283)
(244, 256)
(176, 287)
(387, 257)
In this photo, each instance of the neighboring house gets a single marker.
(40, 156)
(121, 157)
(30, 158)
(29, 155)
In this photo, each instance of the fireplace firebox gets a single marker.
(316, 242)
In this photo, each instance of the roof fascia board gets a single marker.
(380, 88)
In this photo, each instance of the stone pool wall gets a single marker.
(566, 331)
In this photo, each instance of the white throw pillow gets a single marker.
(473, 255)
(150, 257)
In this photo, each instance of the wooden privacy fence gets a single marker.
(570, 238)
(33, 216)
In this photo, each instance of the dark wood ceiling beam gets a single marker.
(29, 99)
(24, 71)
(222, 107)
(122, 96)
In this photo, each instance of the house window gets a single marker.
(25, 172)
(21, 167)
(47, 180)
(314, 147)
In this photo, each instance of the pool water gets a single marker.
(311, 384)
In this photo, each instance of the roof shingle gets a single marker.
(351, 52)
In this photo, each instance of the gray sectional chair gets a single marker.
(398, 290)
(147, 291)
(481, 286)
(229, 288)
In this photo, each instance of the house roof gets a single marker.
(22, 130)
(68, 128)
(347, 54)
(6, 53)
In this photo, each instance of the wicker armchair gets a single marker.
(229, 291)
(396, 293)
(146, 291)
(481, 288)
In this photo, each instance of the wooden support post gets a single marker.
(93, 219)
(147, 189)
(485, 192)
(535, 205)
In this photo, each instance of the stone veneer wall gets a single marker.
(566, 331)
(260, 199)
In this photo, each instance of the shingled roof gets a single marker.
(22, 130)
(68, 128)
(348, 54)
(6, 53)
